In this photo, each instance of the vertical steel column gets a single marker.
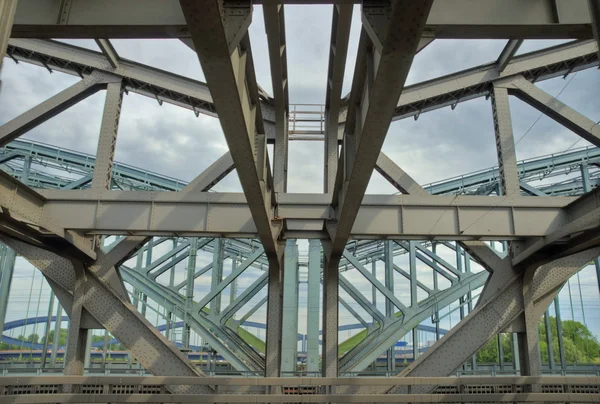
(88, 351)
(500, 352)
(217, 276)
(515, 351)
(7, 15)
(436, 314)
(470, 303)
(280, 153)
(549, 339)
(585, 178)
(529, 348)
(168, 330)
(330, 317)
(107, 141)
(233, 288)
(274, 320)
(8, 266)
(559, 335)
(56, 338)
(189, 290)
(412, 260)
(105, 349)
(312, 322)
(47, 331)
(389, 307)
(149, 248)
(505, 143)
(373, 288)
(289, 337)
(77, 340)
(595, 14)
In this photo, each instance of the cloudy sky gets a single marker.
(172, 141)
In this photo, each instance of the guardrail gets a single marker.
(155, 389)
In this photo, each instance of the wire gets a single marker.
(512, 148)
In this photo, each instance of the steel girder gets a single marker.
(550, 106)
(110, 309)
(393, 329)
(495, 311)
(340, 34)
(274, 17)
(22, 207)
(476, 82)
(8, 9)
(579, 234)
(220, 37)
(228, 344)
(535, 19)
(382, 65)
(228, 214)
(89, 85)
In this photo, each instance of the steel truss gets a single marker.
(60, 230)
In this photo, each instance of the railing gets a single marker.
(306, 122)
(287, 390)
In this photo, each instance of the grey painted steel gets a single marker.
(8, 266)
(561, 113)
(209, 330)
(585, 179)
(189, 290)
(505, 142)
(289, 327)
(393, 216)
(354, 314)
(313, 306)
(47, 330)
(77, 337)
(559, 334)
(274, 17)
(229, 72)
(340, 34)
(212, 175)
(387, 289)
(216, 280)
(503, 303)
(149, 347)
(378, 82)
(8, 9)
(107, 141)
(509, 51)
(164, 19)
(109, 52)
(595, 14)
(151, 389)
(332, 280)
(53, 106)
(57, 326)
(216, 290)
(143, 80)
(474, 83)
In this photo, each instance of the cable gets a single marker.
(512, 148)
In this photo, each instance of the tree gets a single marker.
(62, 339)
(580, 345)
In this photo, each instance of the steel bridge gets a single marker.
(110, 238)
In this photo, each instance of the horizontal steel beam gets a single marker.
(299, 381)
(533, 19)
(379, 216)
(473, 83)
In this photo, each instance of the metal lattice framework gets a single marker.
(59, 228)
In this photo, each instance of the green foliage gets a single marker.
(62, 337)
(489, 353)
(579, 343)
